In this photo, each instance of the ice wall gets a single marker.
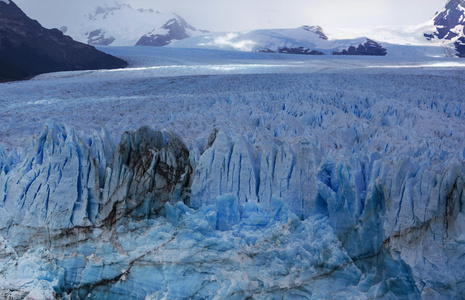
(375, 201)
(398, 217)
(55, 184)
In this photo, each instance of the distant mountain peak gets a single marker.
(455, 3)
(122, 25)
(174, 29)
(317, 30)
(450, 25)
(450, 21)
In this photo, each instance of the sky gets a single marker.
(238, 15)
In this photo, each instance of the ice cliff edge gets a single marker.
(398, 219)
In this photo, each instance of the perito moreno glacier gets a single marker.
(310, 183)
(207, 174)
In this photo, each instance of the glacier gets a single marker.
(312, 181)
(279, 224)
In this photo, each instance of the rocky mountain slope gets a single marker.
(28, 49)
(450, 26)
(173, 30)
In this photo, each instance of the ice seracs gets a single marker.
(291, 177)
(365, 216)
(56, 183)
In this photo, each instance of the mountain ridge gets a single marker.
(28, 49)
(450, 26)
(123, 25)
(307, 40)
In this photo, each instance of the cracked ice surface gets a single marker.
(310, 177)
(260, 255)
(267, 97)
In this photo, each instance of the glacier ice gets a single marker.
(191, 258)
(229, 221)
(55, 185)
(338, 184)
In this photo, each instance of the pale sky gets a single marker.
(237, 15)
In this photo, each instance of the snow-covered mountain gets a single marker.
(122, 25)
(302, 40)
(450, 26)
(173, 30)
(27, 48)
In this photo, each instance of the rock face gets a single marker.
(173, 30)
(449, 24)
(150, 168)
(97, 37)
(316, 30)
(300, 50)
(370, 47)
(28, 49)
(460, 46)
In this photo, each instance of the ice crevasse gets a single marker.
(151, 218)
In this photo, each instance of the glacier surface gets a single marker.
(308, 178)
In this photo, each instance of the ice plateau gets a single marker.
(259, 176)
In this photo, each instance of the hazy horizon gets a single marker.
(217, 15)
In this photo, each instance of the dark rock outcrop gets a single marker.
(97, 37)
(150, 168)
(460, 46)
(176, 29)
(294, 50)
(370, 47)
(317, 30)
(28, 49)
(300, 50)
